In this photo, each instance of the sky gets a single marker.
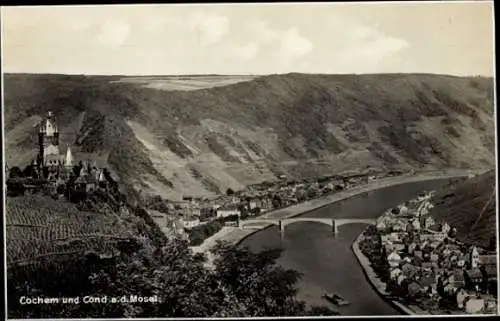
(443, 38)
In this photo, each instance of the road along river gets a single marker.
(328, 263)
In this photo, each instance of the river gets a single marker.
(328, 263)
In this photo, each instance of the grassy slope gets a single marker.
(198, 142)
(470, 206)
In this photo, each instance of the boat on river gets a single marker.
(335, 299)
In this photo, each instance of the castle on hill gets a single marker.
(54, 167)
(49, 163)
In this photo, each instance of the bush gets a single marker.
(230, 218)
(185, 287)
(15, 172)
(200, 233)
(395, 210)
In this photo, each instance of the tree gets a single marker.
(229, 192)
(255, 278)
(241, 284)
(15, 172)
(395, 210)
(312, 193)
(492, 244)
(484, 279)
(440, 287)
(29, 171)
(320, 311)
(61, 189)
(469, 285)
(256, 211)
(300, 195)
(243, 210)
(277, 201)
(76, 170)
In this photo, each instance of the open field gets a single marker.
(184, 83)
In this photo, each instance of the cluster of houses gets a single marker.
(428, 265)
(259, 199)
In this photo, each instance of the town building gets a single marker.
(445, 228)
(474, 257)
(394, 258)
(473, 305)
(228, 210)
(190, 222)
(429, 222)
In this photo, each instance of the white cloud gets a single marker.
(361, 33)
(74, 23)
(247, 51)
(263, 32)
(211, 26)
(367, 48)
(294, 45)
(180, 39)
(154, 23)
(114, 33)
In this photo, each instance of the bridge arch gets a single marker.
(341, 221)
(243, 223)
(282, 223)
(327, 221)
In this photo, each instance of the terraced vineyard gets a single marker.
(40, 227)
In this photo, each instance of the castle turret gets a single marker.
(101, 178)
(85, 169)
(68, 161)
(474, 257)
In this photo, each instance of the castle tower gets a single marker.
(48, 141)
(68, 161)
(474, 257)
(85, 169)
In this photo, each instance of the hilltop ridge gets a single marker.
(201, 142)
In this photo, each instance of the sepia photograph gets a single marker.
(252, 160)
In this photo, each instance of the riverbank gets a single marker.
(230, 234)
(322, 201)
(236, 235)
(375, 281)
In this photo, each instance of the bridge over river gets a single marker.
(282, 223)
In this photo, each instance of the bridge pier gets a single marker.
(334, 228)
(282, 230)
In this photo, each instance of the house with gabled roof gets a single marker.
(474, 305)
(394, 258)
(461, 295)
(409, 270)
(395, 272)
